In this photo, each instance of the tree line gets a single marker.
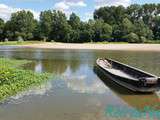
(134, 24)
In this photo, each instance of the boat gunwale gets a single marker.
(137, 69)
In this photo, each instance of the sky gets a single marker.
(83, 8)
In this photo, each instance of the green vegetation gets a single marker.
(134, 24)
(19, 43)
(14, 79)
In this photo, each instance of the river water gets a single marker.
(79, 91)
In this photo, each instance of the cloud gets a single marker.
(76, 4)
(61, 6)
(66, 5)
(6, 11)
(102, 3)
(88, 15)
(79, 84)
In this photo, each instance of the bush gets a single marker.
(132, 38)
(6, 40)
(20, 39)
(143, 39)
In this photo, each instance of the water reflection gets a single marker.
(78, 91)
(80, 84)
(144, 100)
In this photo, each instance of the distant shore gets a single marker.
(94, 46)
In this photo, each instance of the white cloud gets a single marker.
(6, 11)
(102, 3)
(67, 5)
(77, 4)
(87, 16)
(80, 85)
(61, 6)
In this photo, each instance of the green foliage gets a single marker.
(60, 27)
(86, 36)
(19, 42)
(1, 28)
(143, 30)
(134, 12)
(46, 19)
(132, 38)
(22, 24)
(111, 23)
(74, 21)
(139, 19)
(156, 28)
(111, 15)
(143, 39)
(74, 36)
(14, 79)
(102, 31)
(12, 63)
(118, 33)
(127, 26)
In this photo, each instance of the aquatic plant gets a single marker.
(14, 79)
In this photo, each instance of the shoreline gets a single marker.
(89, 46)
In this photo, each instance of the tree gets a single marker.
(8, 31)
(37, 33)
(106, 32)
(74, 21)
(134, 12)
(111, 15)
(127, 26)
(149, 12)
(118, 33)
(2, 24)
(74, 36)
(156, 28)
(85, 36)
(22, 24)
(46, 19)
(110, 23)
(143, 30)
(60, 28)
(86, 32)
(102, 31)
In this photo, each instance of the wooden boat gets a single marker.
(129, 77)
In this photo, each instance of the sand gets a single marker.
(123, 47)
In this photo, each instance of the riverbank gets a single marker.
(94, 46)
(20, 42)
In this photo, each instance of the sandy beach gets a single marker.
(123, 47)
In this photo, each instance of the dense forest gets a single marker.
(134, 24)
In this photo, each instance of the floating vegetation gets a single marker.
(14, 79)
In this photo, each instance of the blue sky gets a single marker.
(84, 8)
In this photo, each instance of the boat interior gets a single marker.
(123, 70)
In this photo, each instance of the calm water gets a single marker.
(79, 92)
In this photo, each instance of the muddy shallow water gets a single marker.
(79, 92)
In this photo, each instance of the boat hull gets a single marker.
(130, 84)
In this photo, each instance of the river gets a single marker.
(79, 92)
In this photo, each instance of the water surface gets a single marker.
(79, 91)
